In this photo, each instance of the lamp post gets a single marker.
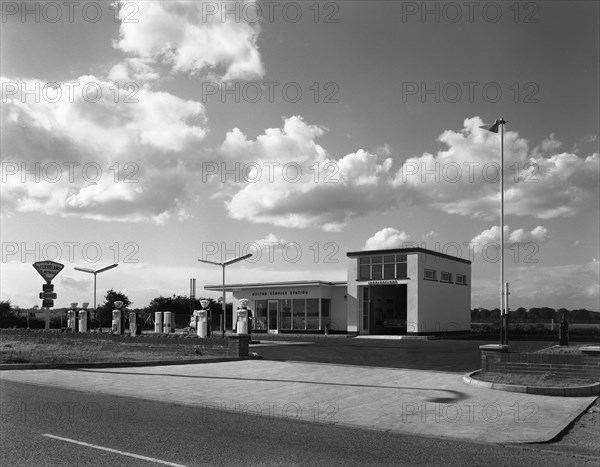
(95, 273)
(503, 317)
(223, 264)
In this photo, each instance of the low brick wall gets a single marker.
(233, 346)
(584, 365)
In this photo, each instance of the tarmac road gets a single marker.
(434, 355)
(169, 434)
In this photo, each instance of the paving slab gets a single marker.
(414, 402)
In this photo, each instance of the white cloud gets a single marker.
(387, 238)
(296, 184)
(492, 236)
(431, 234)
(108, 154)
(194, 37)
(463, 179)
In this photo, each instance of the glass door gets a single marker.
(272, 310)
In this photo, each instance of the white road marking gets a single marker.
(115, 451)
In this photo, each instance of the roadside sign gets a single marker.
(48, 269)
(48, 295)
(47, 303)
(47, 287)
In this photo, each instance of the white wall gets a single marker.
(443, 307)
(352, 300)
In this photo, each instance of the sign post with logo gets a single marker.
(48, 270)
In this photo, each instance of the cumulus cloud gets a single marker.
(464, 178)
(198, 37)
(293, 182)
(97, 151)
(492, 236)
(387, 238)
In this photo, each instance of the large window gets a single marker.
(286, 314)
(260, 314)
(312, 313)
(382, 267)
(299, 313)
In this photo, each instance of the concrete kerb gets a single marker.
(560, 391)
(67, 366)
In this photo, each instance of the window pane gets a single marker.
(377, 271)
(365, 272)
(377, 259)
(312, 313)
(364, 260)
(260, 314)
(389, 259)
(286, 314)
(401, 258)
(401, 270)
(325, 319)
(299, 313)
(388, 271)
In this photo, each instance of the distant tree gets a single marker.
(5, 309)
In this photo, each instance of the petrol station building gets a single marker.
(403, 291)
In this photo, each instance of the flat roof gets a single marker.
(264, 285)
(395, 251)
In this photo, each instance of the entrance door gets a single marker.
(389, 309)
(272, 311)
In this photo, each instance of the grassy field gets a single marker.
(19, 351)
(545, 380)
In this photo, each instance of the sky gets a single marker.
(152, 134)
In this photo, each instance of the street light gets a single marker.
(95, 273)
(223, 264)
(503, 310)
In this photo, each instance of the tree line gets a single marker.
(537, 315)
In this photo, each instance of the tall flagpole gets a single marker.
(503, 336)
(503, 308)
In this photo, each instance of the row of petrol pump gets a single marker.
(164, 321)
(78, 320)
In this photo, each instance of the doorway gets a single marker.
(388, 309)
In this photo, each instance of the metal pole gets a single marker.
(502, 308)
(506, 294)
(95, 310)
(224, 303)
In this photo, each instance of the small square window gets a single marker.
(446, 277)
(430, 274)
(461, 279)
